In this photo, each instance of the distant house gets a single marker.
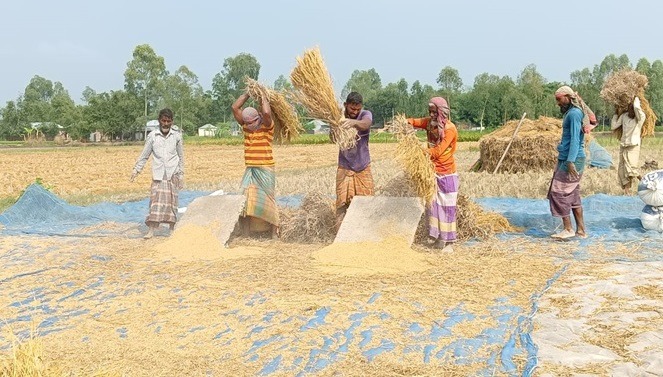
(150, 126)
(318, 127)
(208, 130)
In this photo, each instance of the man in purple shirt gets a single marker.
(353, 176)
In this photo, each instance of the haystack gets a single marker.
(533, 148)
(621, 88)
(313, 221)
(286, 121)
(315, 92)
(414, 159)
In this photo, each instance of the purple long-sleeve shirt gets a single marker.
(357, 158)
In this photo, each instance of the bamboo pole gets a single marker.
(510, 141)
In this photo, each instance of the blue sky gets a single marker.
(89, 43)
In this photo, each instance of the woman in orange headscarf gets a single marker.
(442, 138)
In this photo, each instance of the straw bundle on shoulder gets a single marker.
(286, 121)
(316, 93)
(414, 159)
(621, 88)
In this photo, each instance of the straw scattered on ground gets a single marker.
(287, 125)
(315, 92)
(314, 221)
(474, 222)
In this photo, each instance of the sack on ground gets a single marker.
(650, 188)
(652, 218)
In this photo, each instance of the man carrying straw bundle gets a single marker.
(259, 181)
(353, 175)
(442, 138)
(631, 122)
(564, 190)
(167, 172)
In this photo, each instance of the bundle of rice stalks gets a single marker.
(315, 92)
(533, 148)
(313, 221)
(286, 121)
(414, 159)
(474, 222)
(621, 88)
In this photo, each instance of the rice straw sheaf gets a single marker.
(315, 91)
(621, 88)
(286, 121)
(414, 159)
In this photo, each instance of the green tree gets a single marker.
(282, 83)
(228, 84)
(183, 95)
(367, 83)
(11, 126)
(450, 83)
(144, 77)
(532, 85)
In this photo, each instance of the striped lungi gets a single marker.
(259, 186)
(564, 191)
(442, 212)
(163, 201)
(350, 183)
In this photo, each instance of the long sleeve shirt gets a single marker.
(572, 145)
(442, 153)
(168, 154)
(631, 127)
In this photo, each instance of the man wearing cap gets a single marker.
(259, 181)
(564, 191)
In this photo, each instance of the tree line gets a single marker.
(490, 101)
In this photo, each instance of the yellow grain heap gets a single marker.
(315, 92)
(621, 88)
(286, 121)
(533, 148)
(414, 159)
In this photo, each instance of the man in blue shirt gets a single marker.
(564, 192)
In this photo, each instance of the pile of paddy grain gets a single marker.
(533, 148)
(621, 88)
(315, 91)
(286, 120)
(314, 221)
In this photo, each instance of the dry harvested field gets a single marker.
(92, 174)
(119, 305)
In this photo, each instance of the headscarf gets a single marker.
(589, 118)
(442, 115)
(251, 118)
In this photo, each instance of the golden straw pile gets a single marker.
(414, 159)
(474, 222)
(621, 88)
(313, 221)
(533, 148)
(286, 121)
(315, 92)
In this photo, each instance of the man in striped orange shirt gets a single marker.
(259, 181)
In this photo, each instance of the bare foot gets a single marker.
(149, 234)
(581, 234)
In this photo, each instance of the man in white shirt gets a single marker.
(167, 172)
(631, 122)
